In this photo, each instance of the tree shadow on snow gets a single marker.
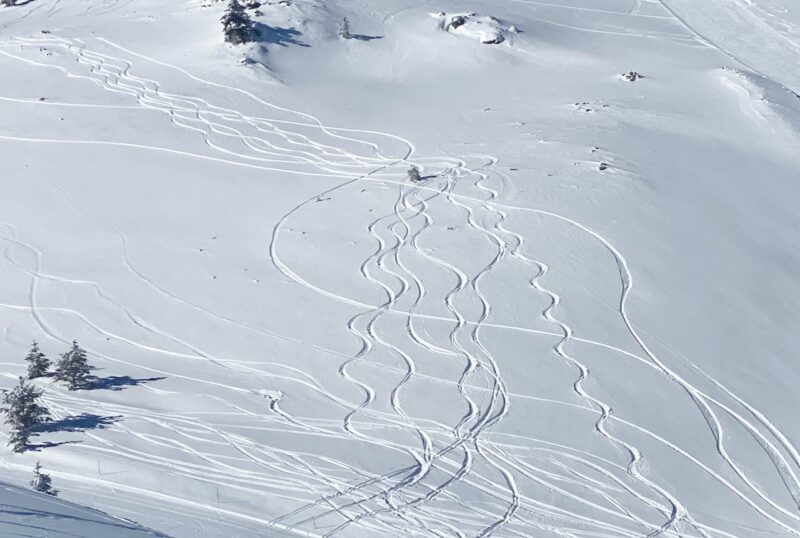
(362, 37)
(36, 447)
(77, 423)
(93, 522)
(20, 4)
(114, 382)
(274, 35)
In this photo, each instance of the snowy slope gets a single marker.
(34, 515)
(762, 34)
(583, 322)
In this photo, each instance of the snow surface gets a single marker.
(763, 35)
(35, 515)
(291, 339)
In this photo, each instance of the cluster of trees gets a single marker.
(21, 405)
(239, 28)
(72, 368)
(22, 408)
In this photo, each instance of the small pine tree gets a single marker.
(38, 363)
(73, 368)
(22, 412)
(344, 29)
(413, 174)
(42, 482)
(236, 24)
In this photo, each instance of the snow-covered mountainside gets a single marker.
(764, 35)
(34, 515)
(583, 319)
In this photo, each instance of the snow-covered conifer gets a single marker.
(42, 482)
(74, 368)
(237, 25)
(344, 29)
(22, 412)
(38, 363)
(413, 174)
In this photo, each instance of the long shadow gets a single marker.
(362, 37)
(276, 35)
(43, 515)
(77, 423)
(36, 447)
(114, 382)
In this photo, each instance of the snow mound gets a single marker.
(486, 29)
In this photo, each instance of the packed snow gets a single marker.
(581, 320)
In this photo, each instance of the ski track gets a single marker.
(408, 499)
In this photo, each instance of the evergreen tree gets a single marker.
(22, 412)
(344, 29)
(41, 482)
(74, 368)
(38, 364)
(237, 25)
(413, 174)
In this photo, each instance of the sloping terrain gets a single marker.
(581, 322)
(34, 515)
(764, 35)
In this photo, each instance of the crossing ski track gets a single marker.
(382, 252)
(439, 464)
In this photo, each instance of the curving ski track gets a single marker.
(441, 462)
